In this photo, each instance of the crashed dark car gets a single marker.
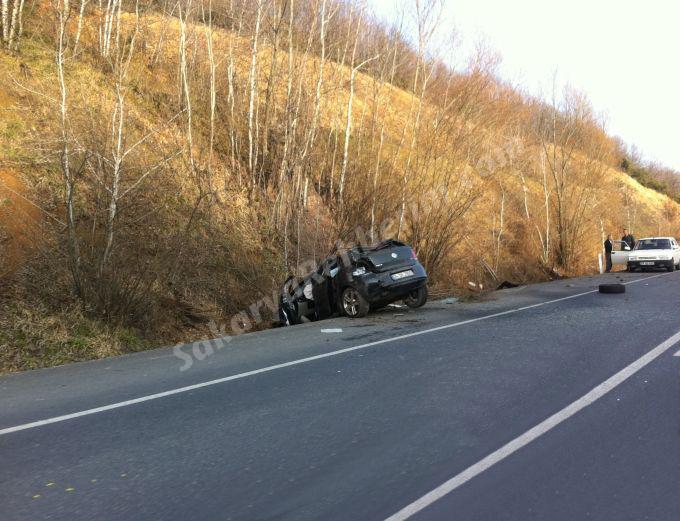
(354, 281)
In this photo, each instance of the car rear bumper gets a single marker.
(381, 287)
(650, 264)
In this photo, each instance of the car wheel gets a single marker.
(416, 298)
(353, 303)
(671, 267)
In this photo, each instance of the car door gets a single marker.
(676, 251)
(620, 253)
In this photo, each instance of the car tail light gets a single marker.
(413, 254)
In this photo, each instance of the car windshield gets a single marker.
(653, 244)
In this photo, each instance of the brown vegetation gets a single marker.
(179, 158)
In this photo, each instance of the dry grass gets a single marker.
(232, 263)
(33, 336)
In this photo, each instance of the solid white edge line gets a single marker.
(677, 354)
(179, 390)
(533, 433)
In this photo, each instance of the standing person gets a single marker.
(608, 246)
(628, 238)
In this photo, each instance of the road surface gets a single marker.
(547, 402)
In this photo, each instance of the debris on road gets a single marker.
(612, 288)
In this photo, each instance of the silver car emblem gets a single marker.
(394, 255)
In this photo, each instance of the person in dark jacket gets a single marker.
(628, 238)
(608, 247)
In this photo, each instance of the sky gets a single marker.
(624, 54)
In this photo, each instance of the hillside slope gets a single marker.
(198, 184)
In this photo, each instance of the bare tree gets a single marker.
(120, 65)
(213, 88)
(252, 85)
(109, 25)
(568, 129)
(62, 9)
(427, 17)
(5, 21)
(543, 226)
(269, 108)
(354, 69)
(185, 88)
(81, 14)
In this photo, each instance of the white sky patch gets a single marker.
(622, 53)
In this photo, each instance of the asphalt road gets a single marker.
(549, 402)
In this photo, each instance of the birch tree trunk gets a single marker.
(12, 23)
(376, 173)
(122, 61)
(69, 181)
(348, 123)
(213, 90)
(270, 99)
(427, 19)
(231, 98)
(5, 21)
(288, 127)
(83, 4)
(185, 86)
(546, 209)
(112, 7)
(252, 84)
(499, 235)
(20, 29)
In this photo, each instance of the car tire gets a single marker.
(671, 267)
(417, 298)
(612, 288)
(353, 303)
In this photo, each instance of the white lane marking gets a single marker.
(533, 433)
(677, 354)
(188, 388)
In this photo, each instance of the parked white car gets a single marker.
(654, 252)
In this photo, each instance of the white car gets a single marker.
(654, 252)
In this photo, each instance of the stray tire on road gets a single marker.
(612, 288)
